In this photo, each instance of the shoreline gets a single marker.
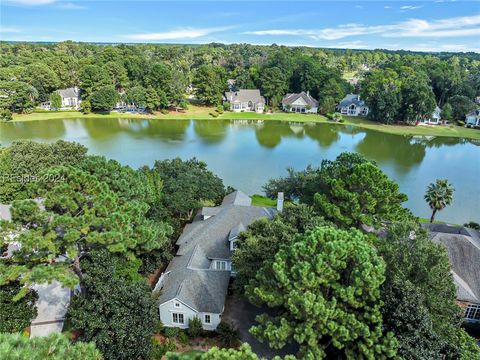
(203, 113)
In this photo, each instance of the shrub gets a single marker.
(5, 115)
(472, 225)
(341, 121)
(164, 111)
(86, 107)
(159, 327)
(220, 109)
(171, 332)
(228, 334)
(195, 328)
(159, 350)
(226, 106)
(460, 122)
(183, 338)
(214, 114)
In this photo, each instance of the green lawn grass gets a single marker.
(260, 200)
(203, 113)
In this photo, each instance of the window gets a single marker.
(233, 245)
(207, 319)
(473, 312)
(220, 265)
(177, 305)
(178, 318)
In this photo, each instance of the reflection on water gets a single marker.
(247, 153)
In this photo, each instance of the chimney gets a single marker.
(308, 93)
(280, 201)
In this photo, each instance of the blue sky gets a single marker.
(437, 25)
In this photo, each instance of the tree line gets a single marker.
(396, 85)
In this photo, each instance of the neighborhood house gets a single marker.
(196, 281)
(352, 105)
(463, 248)
(71, 99)
(245, 100)
(473, 118)
(433, 119)
(300, 103)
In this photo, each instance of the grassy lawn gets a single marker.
(260, 200)
(203, 113)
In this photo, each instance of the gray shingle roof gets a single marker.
(351, 99)
(245, 95)
(463, 248)
(68, 93)
(188, 277)
(291, 98)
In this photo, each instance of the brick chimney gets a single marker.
(280, 199)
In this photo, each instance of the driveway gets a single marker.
(241, 314)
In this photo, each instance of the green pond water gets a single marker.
(247, 154)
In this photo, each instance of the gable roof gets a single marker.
(351, 99)
(188, 277)
(474, 113)
(291, 98)
(71, 92)
(244, 95)
(463, 248)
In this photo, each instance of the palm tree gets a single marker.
(438, 196)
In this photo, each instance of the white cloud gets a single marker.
(451, 27)
(409, 7)
(29, 2)
(70, 6)
(387, 7)
(7, 29)
(178, 34)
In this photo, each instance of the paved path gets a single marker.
(241, 314)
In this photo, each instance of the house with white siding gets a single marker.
(434, 119)
(472, 119)
(196, 281)
(302, 103)
(245, 100)
(352, 105)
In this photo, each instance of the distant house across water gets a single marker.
(245, 100)
(352, 105)
(71, 99)
(472, 119)
(300, 103)
(434, 119)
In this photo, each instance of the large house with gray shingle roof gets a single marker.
(352, 105)
(300, 103)
(245, 100)
(463, 248)
(196, 281)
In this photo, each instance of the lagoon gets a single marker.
(247, 153)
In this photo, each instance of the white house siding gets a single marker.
(472, 120)
(168, 308)
(300, 106)
(354, 110)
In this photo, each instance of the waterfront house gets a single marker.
(434, 118)
(245, 100)
(352, 105)
(71, 99)
(300, 103)
(196, 281)
(472, 119)
(463, 248)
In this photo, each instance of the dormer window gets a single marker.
(220, 265)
